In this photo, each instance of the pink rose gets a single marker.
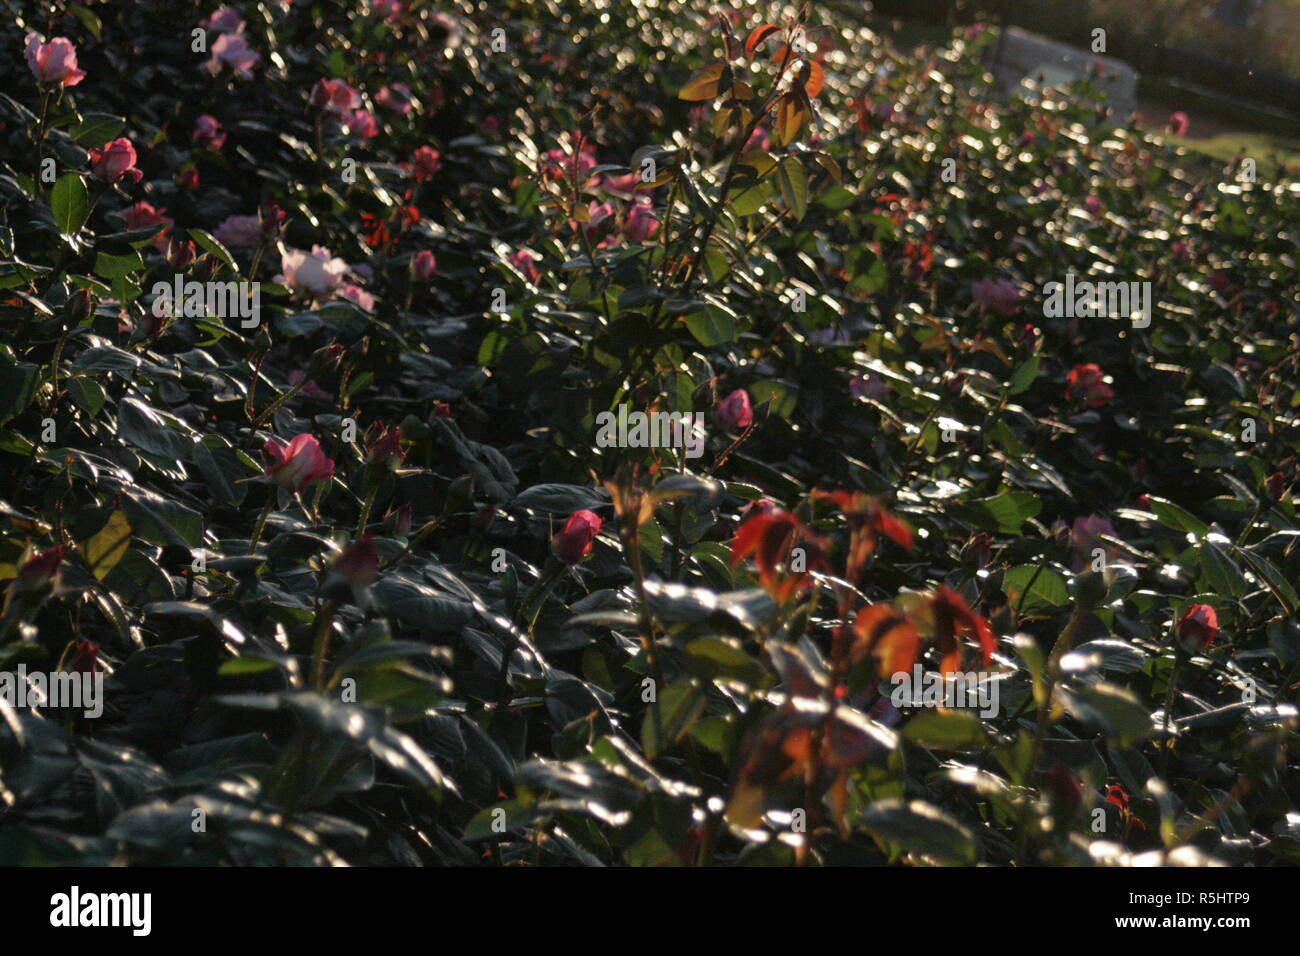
(396, 98)
(424, 265)
(115, 161)
(358, 296)
(239, 232)
(296, 465)
(208, 133)
(734, 412)
(335, 96)
(641, 223)
(1198, 628)
(53, 63)
(426, 161)
(362, 123)
(1178, 123)
(1084, 383)
(231, 50)
(523, 261)
(225, 20)
(574, 541)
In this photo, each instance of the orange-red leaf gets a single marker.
(814, 77)
(758, 35)
(703, 85)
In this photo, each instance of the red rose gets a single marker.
(575, 539)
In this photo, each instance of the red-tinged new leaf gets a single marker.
(813, 77)
(759, 34)
(704, 85)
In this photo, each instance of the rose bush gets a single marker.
(366, 589)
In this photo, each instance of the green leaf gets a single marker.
(210, 243)
(107, 546)
(951, 730)
(722, 658)
(96, 129)
(1110, 708)
(712, 326)
(1004, 513)
(793, 183)
(922, 828)
(69, 204)
(1042, 594)
(18, 384)
(1024, 376)
(678, 707)
(117, 266)
(1172, 516)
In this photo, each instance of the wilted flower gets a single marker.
(1198, 628)
(299, 463)
(734, 411)
(1084, 384)
(53, 63)
(574, 541)
(114, 161)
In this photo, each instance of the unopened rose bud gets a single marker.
(79, 306)
(38, 572)
(399, 520)
(574, 541)
(1198, 628)
(1275, 486)
(85, 658)
(385, 448)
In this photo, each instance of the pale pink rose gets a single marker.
(317, 272)
(225, 20)
(231, 50)
(239, 232)
(625, 187)
(53, 63)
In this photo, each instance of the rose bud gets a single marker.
(424, 265)
(189, 179)
(116, 160)
(324, 359)
(79, 306)
(1275, 485)
(734, 411)
(1198, 628)
(85, 658)
(386, 448)
(38, 572)
(272, 218)
(299, 463)
(442, 410)
(574, 541)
